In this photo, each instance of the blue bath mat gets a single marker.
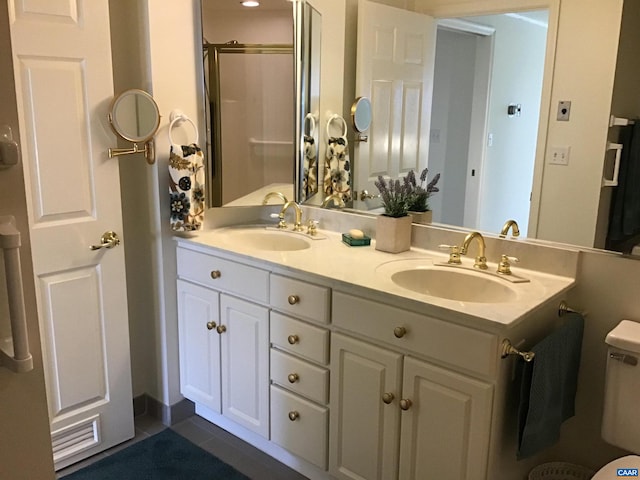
(164, 456)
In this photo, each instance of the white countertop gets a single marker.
(352, 269)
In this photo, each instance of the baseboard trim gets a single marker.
(168, 415)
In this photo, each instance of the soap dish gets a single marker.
(356, 242)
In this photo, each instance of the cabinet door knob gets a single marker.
(405, 404)
(293, 377)
(215, 274)
(388, 398)
(293, 299)
(293, 339)
(211, 325)
(293, 416)
(399, 332)
(221, 329)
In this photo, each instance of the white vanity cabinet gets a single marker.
(224, 339)
(395, 416)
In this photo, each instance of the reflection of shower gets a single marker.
(250, 104)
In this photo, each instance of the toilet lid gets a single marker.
(610, 470)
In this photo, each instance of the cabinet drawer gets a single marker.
(230, 276)
(444, 341)
(300, 426)
(300, 338)
(300, 376)
(302, 299)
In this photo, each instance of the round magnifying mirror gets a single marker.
(134, 116)
(361, 114)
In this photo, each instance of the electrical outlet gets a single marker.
(559, 155)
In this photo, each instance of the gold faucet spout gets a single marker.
(298, 225)
(481, 259)
(274, 194)
(515, 231)
(336, 198)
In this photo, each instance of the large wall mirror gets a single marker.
(487, 117)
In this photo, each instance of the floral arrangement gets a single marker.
(399, 198)
(418, 200)
(394, 195)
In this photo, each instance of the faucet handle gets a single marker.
(312, 227)
(504, 267)
(281, 223)
(454, 253)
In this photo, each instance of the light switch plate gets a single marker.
(559, 155)
(564, 110)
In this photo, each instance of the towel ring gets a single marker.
(177, 117)
(333, 118)
(312, 124)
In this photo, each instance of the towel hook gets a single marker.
(177, 117)
(336, 117)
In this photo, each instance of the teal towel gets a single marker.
(548, 388)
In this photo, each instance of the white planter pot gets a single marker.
(393, 234)
(422, 217)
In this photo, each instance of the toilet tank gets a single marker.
(621, 418)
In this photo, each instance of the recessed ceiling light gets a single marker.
(250, 3)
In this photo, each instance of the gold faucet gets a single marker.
(297, 227)
(274, 194)
(515, 231)
(481, 260)
(336, 198)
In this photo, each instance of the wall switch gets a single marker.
(559, 155)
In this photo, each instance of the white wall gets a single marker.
(516, 78)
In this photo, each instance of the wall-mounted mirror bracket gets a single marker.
(134, 116)
(148, 149)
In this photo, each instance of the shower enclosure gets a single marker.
(250, 126)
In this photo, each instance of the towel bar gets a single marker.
(563, 309)
(509, 349)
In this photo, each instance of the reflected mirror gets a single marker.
(248, 61)
(135, 117)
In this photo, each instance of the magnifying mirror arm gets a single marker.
(148, 150)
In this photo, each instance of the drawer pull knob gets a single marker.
(211, 325)
(293, 377)
(405, 404)
(399, 332)
(293, 299)
(293, 339)
(293, 416)
(388, 398)
(221, 329)
(215, 274)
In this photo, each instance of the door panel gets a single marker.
(62, 64)
(396, 51)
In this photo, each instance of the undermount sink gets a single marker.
(454, 284)
(267, 240)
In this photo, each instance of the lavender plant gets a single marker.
(418, 197)
(394, 195)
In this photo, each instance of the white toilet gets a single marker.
(621, 419)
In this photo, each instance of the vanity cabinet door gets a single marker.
(445, 427)
(364, 428)
(244, 335)
(199, 344)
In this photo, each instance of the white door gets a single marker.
(244, 335)
(364, 427)
(394, 69)
(198, 317)
(445, 431)
(62, 65)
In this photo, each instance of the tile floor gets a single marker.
(240, 455)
